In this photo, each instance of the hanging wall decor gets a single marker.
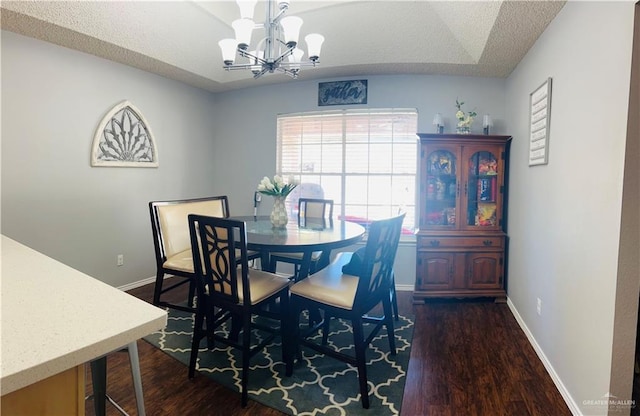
(539, 118)
(342, 92)
(123, 139)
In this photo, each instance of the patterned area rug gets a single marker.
(319, 384)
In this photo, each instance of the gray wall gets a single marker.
(564, 218)
(52, 199)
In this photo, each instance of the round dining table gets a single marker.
(305, 238)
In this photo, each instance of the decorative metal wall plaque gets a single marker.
(342, 92)
(123, 139)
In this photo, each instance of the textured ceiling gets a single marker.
(178, 39)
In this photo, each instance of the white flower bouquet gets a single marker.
(277, 186)
(464, 120)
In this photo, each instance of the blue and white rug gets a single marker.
(319, 385)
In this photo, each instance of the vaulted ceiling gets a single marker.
(179, 39)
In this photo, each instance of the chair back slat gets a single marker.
(215, 244)
(379, 256)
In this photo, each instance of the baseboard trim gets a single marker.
(404, 288)
(137, 284)
(573, 406)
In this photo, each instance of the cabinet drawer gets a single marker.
(452, 242)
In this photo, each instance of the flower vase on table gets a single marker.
(278, 215)
(278, 189)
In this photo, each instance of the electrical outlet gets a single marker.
(120, 260)
(539, 306)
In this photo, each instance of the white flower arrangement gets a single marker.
(464, 120)
(277, 187)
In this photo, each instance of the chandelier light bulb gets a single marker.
(243, 29)
(295, 58)
(314, 44)
(246, 8)
(291, 26)
(228, 48)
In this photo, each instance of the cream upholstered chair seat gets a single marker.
(263, 285)
(329, 285)
(182, 261)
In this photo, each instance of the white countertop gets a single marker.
(54, 317)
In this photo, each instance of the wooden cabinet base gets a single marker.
(420, 297)
(62, 394)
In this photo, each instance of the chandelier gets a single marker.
(278, 50)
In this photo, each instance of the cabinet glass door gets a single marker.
(441, 189)
(483, 190)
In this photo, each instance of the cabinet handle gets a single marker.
(458, 189)
(451, 272)
(487, 242)
(465, 189)
(434, 243)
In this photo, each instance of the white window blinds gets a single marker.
(365, 160)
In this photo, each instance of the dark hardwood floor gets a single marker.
(467, 358)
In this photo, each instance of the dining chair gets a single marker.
(351, 297)
(311, 211)
(234, 293)
(172, 243)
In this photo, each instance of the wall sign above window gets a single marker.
(123, 139)
(342, 92)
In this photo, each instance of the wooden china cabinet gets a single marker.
(461, 240)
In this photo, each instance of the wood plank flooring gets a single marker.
(467, 358)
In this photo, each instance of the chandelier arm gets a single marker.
(279, 16)
(265, 69)
(243, 53)
(290, 72)
(279, 60)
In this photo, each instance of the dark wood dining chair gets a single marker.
(351, 297)
(311, 212)
(234, 294)
(172, 244)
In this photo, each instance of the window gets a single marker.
(365, 160)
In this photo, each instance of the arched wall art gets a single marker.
(123, 139)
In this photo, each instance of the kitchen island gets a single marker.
(54, 319)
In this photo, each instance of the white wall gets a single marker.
(564, 217)
(52, 200)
